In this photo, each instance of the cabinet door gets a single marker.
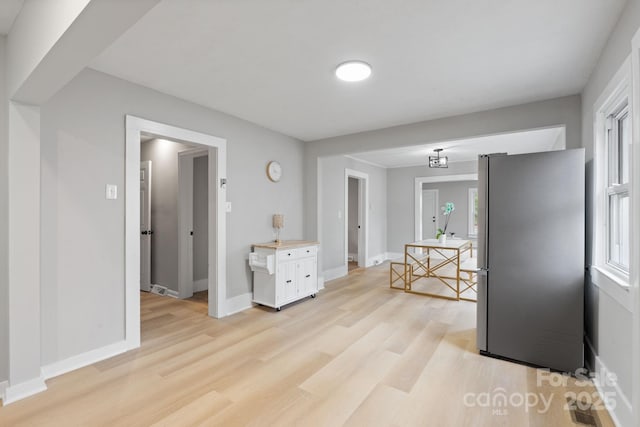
(308, 272)
(289, 281)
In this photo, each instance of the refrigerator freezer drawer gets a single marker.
(481, 311)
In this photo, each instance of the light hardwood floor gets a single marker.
(359, 354)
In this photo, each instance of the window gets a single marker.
(618, 140)
(612, 160)
(473, 212)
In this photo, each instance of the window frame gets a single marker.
(614, 188)
(613, 104)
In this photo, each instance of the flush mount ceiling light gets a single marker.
(437, 161)
(353, 71)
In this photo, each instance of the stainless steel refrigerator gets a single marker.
(531, 258)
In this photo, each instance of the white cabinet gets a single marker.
(294, 276)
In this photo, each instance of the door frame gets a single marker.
(149, 164)
(417, 199)
(217, 234)
(185, 216)
(437, 204)
(363, 215)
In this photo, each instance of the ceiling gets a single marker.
(468, 149)
(272, 62)
(8, 11)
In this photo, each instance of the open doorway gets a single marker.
(429, 213)
(193, 224)
(136, 128)
(355, 206)
(173, 217)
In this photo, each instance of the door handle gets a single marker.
(288, 281)
(307, 276)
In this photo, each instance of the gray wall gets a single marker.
(401, 206)
(353, 216)
(200, 217)
(333, 209)
(456, 192)
(560, 111)
(83, 148)
(164, 209)
(608, 324)
(4, 230)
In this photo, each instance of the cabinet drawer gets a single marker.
(287, 255)
(308, 251)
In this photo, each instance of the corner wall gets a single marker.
(608, 322)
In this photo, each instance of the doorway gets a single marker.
(429, 214)
(193, 223)
(356, 218)
(354, 223)
(173, 203)
(217, 277)
(145, 225)
(419, 203)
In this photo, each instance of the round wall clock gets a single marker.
(274, 171)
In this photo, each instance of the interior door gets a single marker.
(429, 214)
(145, 226)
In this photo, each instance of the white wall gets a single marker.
(608, 323)
(51, 18)
(4, 197)
(401, 194)
(332, 240)
(83, 149)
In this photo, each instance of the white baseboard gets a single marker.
(320, 282)
(13, 393)
(3, 387)
(238, 303)
(394, 255)
(378, 259)
(622, 413)
(85, 359)
(200, 285)
(335, 273)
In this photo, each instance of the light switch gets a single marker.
(112, 192)
(228, 206)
